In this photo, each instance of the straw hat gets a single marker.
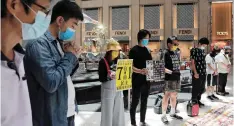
(113, 45)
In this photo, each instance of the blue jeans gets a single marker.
(71, 121)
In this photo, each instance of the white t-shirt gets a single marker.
(71, 90)
(15, 102)
(222, 58)
(211, 61)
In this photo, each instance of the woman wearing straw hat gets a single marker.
(112, 108)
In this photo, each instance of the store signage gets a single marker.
(91, 33)
(156, 32)
(185, 32)
(222, 33)
(120, 33)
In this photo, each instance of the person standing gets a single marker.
(224, 67)
(172, 79)
(198, 67)
(15, 16)
(112, 106)
(48, 65)
(212, 74)
(140, 87)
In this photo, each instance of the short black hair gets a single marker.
(204, 40)
(142, 34)
(67, 9)
(24, 2)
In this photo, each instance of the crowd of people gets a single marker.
(37, 89)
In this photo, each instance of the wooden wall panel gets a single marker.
(221, 21)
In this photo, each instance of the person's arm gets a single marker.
(74, 69)
(209, 61)
(209, 65)
(102, 71)
(166, 64)
(193, 64)
(136, 70)
(47, 72)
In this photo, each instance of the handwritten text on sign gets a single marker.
(124, 74)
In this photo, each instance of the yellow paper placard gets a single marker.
(124, 74)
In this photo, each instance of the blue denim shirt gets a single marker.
(46, 73)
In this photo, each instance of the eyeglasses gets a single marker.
(12, 65)
(45, 10)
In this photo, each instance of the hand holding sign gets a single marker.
(112, 75)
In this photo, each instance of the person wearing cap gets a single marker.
(224, 67)
(212, 73)
(198, 67)
(140, 87)
(112, 107)
(172, 79)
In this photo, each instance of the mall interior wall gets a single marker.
(135, 5)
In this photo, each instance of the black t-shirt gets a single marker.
(139, 55)
(172, 62)
(199, 57)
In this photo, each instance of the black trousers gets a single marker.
(140, 90)
(222, 82)
(125, 94)
(71, 121)
(198, 87)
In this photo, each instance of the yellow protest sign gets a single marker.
(124, 74)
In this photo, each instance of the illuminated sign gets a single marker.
(222, 33)
(120, 33)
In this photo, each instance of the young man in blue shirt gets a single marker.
(48, 65)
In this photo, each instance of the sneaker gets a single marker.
(143, 124)
(213, 96)
(164, 120)
(226, 93)
(221, 93)
(177, 111)
(201, 104)
(210, 98)
(176, 116)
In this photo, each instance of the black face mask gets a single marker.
(226, 52)
(213, 54)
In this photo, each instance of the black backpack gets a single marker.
(158, 105)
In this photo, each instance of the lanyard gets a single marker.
(225, 56)
(107, 67)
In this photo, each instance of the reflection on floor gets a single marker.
(93, 118)
(89, 117)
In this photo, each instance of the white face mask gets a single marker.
(38, 28)
(202, 47)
